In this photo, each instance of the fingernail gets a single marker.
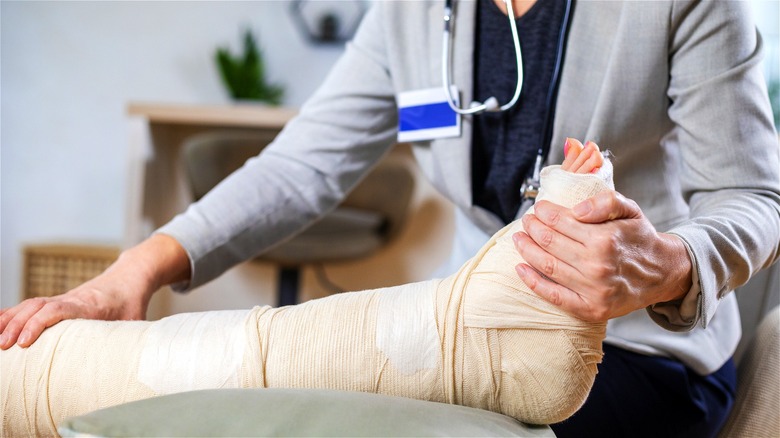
(23, 338)
(521, 270)
(3, 339)
(582, 208)
(566, 147)
(516, 238)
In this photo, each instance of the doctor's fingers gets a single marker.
(562, 270)
(24, 323)
(561, 296)
(14, 319)
(606, 206)
(560, 219)
(552, 239)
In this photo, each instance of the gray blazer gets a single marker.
(673, 89)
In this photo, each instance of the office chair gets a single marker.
(370, 216)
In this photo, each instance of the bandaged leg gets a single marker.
(478, 338)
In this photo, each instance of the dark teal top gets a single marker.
(505, 144)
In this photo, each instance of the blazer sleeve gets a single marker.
(730, 155)
(339, 134)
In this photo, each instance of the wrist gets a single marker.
(157, 261)
(681, 273)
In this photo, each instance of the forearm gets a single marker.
(122, 292)
(680, 273)
(728, 159)
(345, 128)
(731, 236)
(157, 261)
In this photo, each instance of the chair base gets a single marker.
(289, 281)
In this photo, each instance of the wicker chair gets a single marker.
(756, 410)
(52, 269)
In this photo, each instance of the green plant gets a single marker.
(774, 99)
(244, 75)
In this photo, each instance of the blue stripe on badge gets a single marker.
(434, 115)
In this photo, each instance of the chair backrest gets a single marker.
(211, 156)
(756, 410)
(756, 298)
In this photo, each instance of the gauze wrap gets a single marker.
(478, 338)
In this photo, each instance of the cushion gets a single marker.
(292, 412)
(755, 412)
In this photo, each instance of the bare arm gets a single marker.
(122, 292)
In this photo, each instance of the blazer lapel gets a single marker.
(589, 47)
(454, 154)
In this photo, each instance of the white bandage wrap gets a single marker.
(406, 327)
(478, 338)
(215, 341)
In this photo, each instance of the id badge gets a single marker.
(426, 115)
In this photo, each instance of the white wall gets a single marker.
(67, 71)
(767, 16)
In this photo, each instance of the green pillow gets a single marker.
(292, 412)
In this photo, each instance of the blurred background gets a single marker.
(69, 69)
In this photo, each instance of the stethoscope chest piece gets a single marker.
(530, 189)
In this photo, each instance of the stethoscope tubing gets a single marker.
(530, 187)
(490, 104)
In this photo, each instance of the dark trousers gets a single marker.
(635, 395)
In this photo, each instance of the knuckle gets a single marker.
(55, 306)
(627, 207)
(553, 217)
(546, 239)
(555, 297)
(612, 197)
(600, 313)
(598, 242)
(548, 213)
(603, 270)
(607, 243)
(609, 202)
(37, 302)
(549, 266)
(586, 314)
(628, 202)
(598, 271)
(531, 281)
(523, 242)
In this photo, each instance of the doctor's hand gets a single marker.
(601, 259)
(121, 292)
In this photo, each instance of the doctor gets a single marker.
(673, 89)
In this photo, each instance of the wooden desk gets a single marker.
(157, 191)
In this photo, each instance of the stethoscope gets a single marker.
(530, 187)
(491, 103)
